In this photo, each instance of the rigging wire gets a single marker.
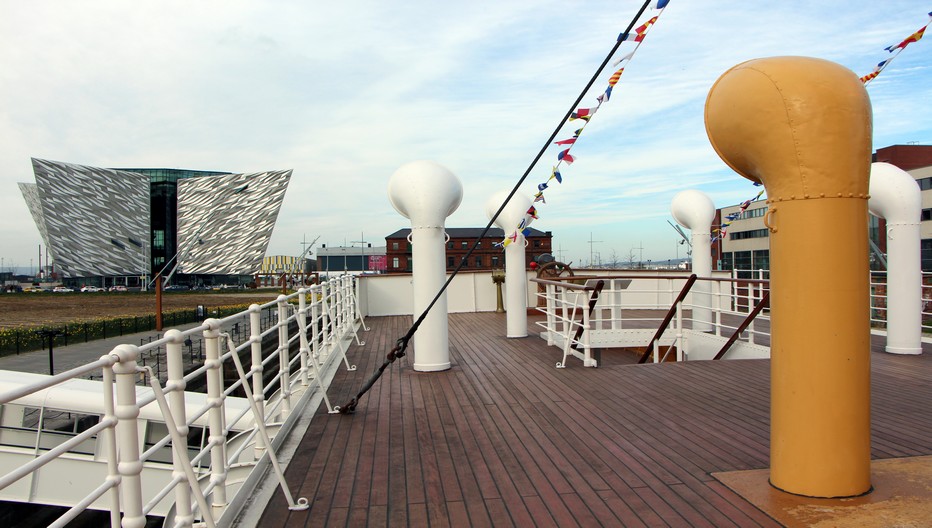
(401, 344)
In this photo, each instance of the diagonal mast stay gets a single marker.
(401, 344)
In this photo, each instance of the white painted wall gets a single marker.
(474, 291)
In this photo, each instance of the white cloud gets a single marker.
(346, 92)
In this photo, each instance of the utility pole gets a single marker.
(641, 254)
(591, 242)
(362, 246)
(560, 253)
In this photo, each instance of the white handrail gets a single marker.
(334, 313)
(612, 323)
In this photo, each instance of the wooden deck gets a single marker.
(505, 439)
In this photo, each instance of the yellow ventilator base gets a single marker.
(902, 497)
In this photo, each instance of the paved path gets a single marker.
(77, 354)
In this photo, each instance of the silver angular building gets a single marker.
(108, 223)
(225, 222)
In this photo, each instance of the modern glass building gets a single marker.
(120, 226)
(163, 208)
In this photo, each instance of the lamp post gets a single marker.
(50, 333)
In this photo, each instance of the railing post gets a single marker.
(127, 433)
(258, 384)
(110, 443)
(734, 290)
(217, 438)
(184, 515)
(340, 308)
(679, 331)
(586, 333)
(551, 307)
(325, 318)
(344, 303)
(718, 309)
(283, 357)
(302, 333)
(362, 320)
(314, 322)
(563, 308)
(615, 299)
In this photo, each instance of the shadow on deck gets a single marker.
(505, 439)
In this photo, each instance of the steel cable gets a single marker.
(401, 344)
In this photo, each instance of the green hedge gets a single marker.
(27, 338)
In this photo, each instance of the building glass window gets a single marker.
(924, 184)
(450, 262)
(394, 245)
(926, 249)
(743, 260)
(395, 263)
(464, 244)
(479, 261)
(753, 213)
(537, 243)
(754, 233)
(494, 261)
(762, 259)
(158, 239)
(926, 215)
(728, 263)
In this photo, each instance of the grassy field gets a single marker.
(32, 309)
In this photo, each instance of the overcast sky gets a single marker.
(346, 92)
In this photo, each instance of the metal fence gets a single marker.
(205, 448)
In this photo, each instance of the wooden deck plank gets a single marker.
(505, 439)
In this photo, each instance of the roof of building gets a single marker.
(470, 232)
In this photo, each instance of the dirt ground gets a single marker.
(18, 309)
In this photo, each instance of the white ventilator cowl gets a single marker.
(695, 211)
(515, 263)
(426, 193)
(895, 196)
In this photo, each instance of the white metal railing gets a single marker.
(195, 487)
(878, 286)
(630, 308)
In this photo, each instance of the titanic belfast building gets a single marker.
(122, 226)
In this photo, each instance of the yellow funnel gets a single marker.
(802, 127)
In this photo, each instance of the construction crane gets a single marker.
(300, 259)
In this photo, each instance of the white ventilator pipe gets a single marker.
(895, 197)
(695, 211)
(515, 265)
(427, 193)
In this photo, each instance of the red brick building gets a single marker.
(485, 257)
(906, 157)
